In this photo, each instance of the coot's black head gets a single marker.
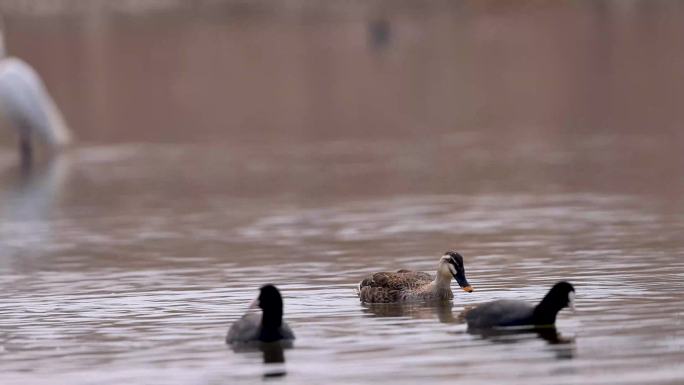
(561, 295)
(455, 261)
(270, 299)
(271, 304)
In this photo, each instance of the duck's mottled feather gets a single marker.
(419, 275)
(387, 287)
(402, 279)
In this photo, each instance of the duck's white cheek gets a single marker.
(452, 269)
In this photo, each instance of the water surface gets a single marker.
(108, 279)
(309, 148)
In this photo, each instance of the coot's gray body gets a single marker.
(501, 313)
(504, 313)
(248, 328)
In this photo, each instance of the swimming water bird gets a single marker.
(407, 285)
(265, 327)
(26, 105)
(504, 312)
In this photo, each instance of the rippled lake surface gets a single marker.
(223, 149)
(128, 263)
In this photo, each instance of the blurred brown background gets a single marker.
(259, 70)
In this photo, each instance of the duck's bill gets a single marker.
(463, 282)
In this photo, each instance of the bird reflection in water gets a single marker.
(27, 199)
(31, 192)
(563, 347)
(273, 355)
(442, 310)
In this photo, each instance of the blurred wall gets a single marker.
(282, 70)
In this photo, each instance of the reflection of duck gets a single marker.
(414, 310)
(406, 285)
(26, 104)
(503, 313)
(266, 327)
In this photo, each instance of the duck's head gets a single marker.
(452, 263)
(270, 299)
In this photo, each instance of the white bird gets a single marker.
(26, 105)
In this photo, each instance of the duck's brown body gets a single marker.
(407, 285)
(402, 286)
